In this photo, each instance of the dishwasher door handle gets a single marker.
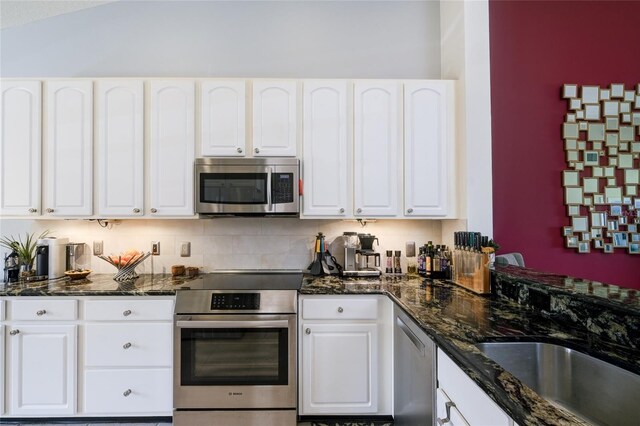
(233, 324)
(414, 339)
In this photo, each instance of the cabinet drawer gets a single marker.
(128, 310)
(340, 309)
(128, 345)
(43, 309)
(128, 391)
(475, 405)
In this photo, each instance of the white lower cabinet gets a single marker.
(345, 355)
(42, 360)
(86, 356)
(469, 405)
(128, 391)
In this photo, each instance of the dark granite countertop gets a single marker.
(100, 285)
(456, 319)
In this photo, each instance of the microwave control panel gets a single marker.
(282, 188)
(235, 301)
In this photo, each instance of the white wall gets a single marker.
(330, 39)
(225, 243)
(465, 57)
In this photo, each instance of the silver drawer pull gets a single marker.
(307, 331)
(126, 313)
(49, 210)
(359, 211)
(127, 392)
(340, 310)
(409, 210)
(136, 210)
(126, 345)
(239, 150)
(14, 332)
(447, 406)
(41, 312)
(341, 210)
(154, 210)
(32, 210)
(257, 150)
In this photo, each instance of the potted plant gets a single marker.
(26, 250)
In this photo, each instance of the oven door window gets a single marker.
(234, 356)
(233, 188)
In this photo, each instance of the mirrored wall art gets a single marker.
(601, 138)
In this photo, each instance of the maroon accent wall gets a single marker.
(536, 47)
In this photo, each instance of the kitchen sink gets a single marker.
(592, 389)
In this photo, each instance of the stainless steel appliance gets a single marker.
(247, 186)
(235, 349)
(357, 256)
(51, 257)
(414, 378)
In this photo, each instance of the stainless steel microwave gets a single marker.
(247, 186)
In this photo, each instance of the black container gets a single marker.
(42, 260)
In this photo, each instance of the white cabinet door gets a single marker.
(475, 406)
(20, 147)
(275, 118)
(377, 149)
(120, 149)
(447, 412)
(339, 369)
(171, 148)
(222, 119)
(428, 145)
(42, 365)
(69, 148)
(325, 153)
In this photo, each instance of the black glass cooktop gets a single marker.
(252, 279)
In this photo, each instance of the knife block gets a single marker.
(471, 270)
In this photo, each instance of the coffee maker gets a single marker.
(51, 257)
(358, 255)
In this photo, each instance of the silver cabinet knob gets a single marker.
(257, 150)
(359, 211)
(340, 310)
(14, 332)
(409, 210)
(341, 210)
(307, 331)
(127, 392)
(49, 210)
(126, 313)
(239, 150)
(32, 210)
(41, 312)
(154, 210)
(126, 345)
(136, 210)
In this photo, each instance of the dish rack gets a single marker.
(126, 270)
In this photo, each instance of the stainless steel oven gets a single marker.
(247, 186)
(235, 351)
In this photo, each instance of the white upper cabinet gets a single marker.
(222, 118)
(20, 147)
(275, 118)
(325, 147)
(428, 147)
(377, 149)
(171, 147)
(120, 147)
(69, 148)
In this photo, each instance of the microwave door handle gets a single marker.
(269, 206)
(233, 324)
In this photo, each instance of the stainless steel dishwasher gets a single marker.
(414, 373)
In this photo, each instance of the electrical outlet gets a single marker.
(98, 248)
(185, 249)
(155, 248)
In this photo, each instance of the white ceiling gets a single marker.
(20, 12)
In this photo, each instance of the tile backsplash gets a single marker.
(223, 243)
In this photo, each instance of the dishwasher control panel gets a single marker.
(235, 301)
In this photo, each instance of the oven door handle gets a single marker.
(233, 324)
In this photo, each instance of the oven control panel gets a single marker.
(235, 301)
